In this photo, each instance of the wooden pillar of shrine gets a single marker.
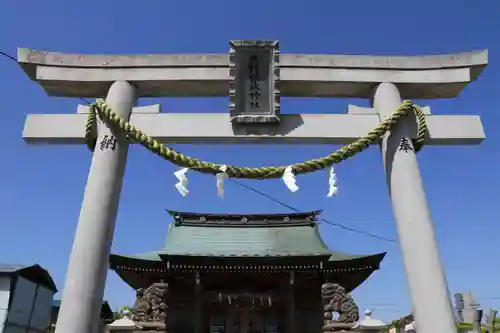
(291, 303)
(198, 308)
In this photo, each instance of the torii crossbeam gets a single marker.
(124, 78)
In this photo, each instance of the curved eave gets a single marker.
(133, 279)
(351, 271)
(141, 260)
(349, 278)
(354, 271)
(346, 260)
(302, 75)
(150, 262)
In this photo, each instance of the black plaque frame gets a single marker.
(267, 55)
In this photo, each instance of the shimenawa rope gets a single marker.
(134, 135)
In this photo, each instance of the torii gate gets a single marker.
(124, 78)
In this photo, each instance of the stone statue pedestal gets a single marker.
(155, 326)
(337, 327)
(370, 325)
(122, 325)
(126, 325)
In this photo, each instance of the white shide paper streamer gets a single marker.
(332, 183)
(289, 179)
(221, 176)
(181, 186)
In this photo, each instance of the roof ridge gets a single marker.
(291, 214)
(243, 225)
(244, 220)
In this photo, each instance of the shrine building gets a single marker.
(252, 273)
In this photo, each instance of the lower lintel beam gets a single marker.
(171, 128)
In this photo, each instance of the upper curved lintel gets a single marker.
(302, 75)
(422, 62)
(417, 62)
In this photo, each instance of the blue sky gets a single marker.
(41, 187)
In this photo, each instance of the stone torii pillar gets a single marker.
(424, 272)
(74, 75)
(86, 274)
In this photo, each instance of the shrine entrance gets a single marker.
(244, 313)
(245, 320)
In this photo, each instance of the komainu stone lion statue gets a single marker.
(151, 304)
(336, 299)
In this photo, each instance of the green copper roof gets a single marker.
(196, 240)
(248, 242)
(276, 235)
